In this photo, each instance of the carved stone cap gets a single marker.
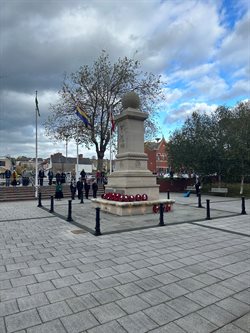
(131, 100)
(131, 113)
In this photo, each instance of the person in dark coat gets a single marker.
(73, 189)
(58, 177)
(59, 191)
(40, 177)
(63, 177)
(7, 177)
(94, 188)
(86, 188)
(79, 186)
(14, 177)
(83, 174)
(50, 176)
(198, 187)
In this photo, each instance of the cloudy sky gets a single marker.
(200, 47)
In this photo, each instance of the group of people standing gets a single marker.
(83, 184)
(10, 177)
(60, 177)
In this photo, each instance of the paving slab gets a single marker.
(191, 275)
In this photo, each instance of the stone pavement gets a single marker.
(186, 277)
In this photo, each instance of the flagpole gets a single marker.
(110, 149)
(36, 176)
(110, 152)
(77, 155)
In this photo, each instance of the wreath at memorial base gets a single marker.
(166, 208)
(124, 197)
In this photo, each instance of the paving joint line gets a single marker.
(221, 229)
(26, 219)
(71, 222)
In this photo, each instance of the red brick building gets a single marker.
(157, 156)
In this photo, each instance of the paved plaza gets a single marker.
(191, 275)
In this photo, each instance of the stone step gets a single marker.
(28, 192)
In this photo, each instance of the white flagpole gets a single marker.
(110, 149)
(77, 158)
(36, 176)
(110, 153)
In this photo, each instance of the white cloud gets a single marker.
(186, 109)
(192, 43)
(208, 87)
(235, 48)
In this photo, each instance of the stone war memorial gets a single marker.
(131, 188)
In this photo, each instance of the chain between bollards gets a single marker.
(208, 210)
(243, 207)
(39, 199)
(97, 222)
(81, 202)
(69, 218)
(161, 214)
(51, 204)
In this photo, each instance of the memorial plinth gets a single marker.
(131, 175)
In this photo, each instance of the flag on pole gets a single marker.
(83, 116)
(112, 122)
(37, 108)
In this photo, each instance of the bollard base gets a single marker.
(98, 233)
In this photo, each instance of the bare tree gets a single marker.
(98, 91)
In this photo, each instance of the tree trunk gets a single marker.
(100, 156)
(242, 185)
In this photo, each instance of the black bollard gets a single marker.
(161, 214)
(51, 204)
(39, 199)
(97, 222)
(243, 207)
(69, 218)
(208, 210)
(168, 195)
(81, 202)
(199, 201)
